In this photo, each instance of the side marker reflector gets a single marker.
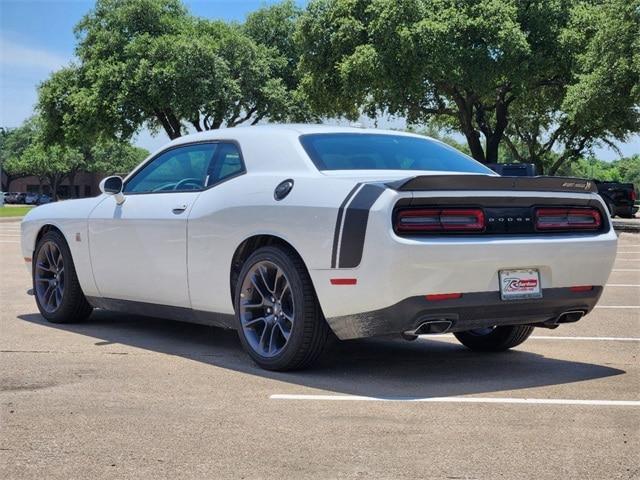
(443, 296)
(344, 281)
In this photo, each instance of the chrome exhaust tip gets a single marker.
(431, 327)
(570, 316)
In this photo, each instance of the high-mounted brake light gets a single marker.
(568, 219)
(440, 220)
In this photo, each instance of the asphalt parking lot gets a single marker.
(133, 397)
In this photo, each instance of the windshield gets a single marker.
(364, 151)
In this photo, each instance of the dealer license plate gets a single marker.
(519, 284)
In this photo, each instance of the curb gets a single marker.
(10, 219)
(628, 228)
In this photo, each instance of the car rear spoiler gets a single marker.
(490, 182)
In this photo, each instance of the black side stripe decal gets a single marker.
(336, 235)
(355, 225)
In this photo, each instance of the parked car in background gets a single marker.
(10, 197)
(43, 198)
(356, 231)
(619, 197)
(31, 198)
(20, 198)
(514, 169)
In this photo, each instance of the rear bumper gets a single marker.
(472, 310)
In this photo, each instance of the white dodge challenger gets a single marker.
(289, 233)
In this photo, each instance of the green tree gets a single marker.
(274, 26)
(468, 64)
(626, 170)
(109, 158)
(594, 98)
(629, 168)
(149, 62)
(13, 143)
(26, 151)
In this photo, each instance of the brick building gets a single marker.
(85, 185)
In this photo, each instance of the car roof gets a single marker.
(291, 130)
(276, 142)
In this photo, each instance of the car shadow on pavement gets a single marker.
(384, 368)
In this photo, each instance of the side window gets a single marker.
(227, 163)
(180, 169)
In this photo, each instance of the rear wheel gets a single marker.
(55, 283)
(494, 339)
(279, 320)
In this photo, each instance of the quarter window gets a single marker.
(227, 163)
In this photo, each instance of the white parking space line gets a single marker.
(589, 339)
(550, 337)
(618, 306)
(8, 235)
(622, 285)
(626, 270)
(507, 400)
(9, 241)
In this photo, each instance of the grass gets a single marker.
(10, 211)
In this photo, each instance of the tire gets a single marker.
(65, 303)
(498, 339)
(263, 325)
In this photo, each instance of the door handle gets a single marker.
(178, 210)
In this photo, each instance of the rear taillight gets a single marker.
(634, 196)
(440, 220)
(568, 219)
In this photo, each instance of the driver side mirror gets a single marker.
(113, 186)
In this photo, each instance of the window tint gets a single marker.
(177, 170)
(227, 163)
(362, 151)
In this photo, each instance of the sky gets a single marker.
(36, 38)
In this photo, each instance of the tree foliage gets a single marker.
(150, 63)
(595, 97)
(626, 170)
(25, 151)
(480, 67)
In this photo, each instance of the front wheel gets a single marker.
(55, 284)
(494, 339)
(280, 323)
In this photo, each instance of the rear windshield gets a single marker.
(364, 151)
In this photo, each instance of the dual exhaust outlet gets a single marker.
(433, 327)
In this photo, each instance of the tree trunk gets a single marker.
(465, 117)
(72, 185)
(494, 138)
(54, 182)
(169, 124)
(491, 148)
(473, 140)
